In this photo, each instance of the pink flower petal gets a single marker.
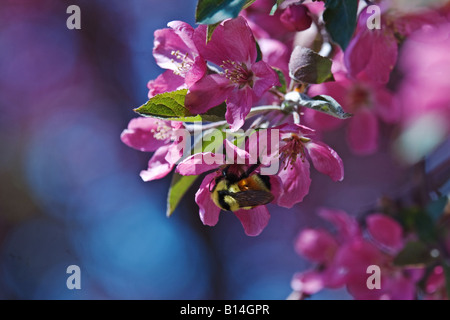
(235, 155)
(296, 182)
(209, 212)
(196, 72)
(296, 18)
(264, 78)
(373, 53)
(167, 41)
(196, 164)
(347, 227)
(400, 288)
(206, 93)
(158, 167)
(139, 134)
(165, 82)
(175, 153)
(362, 134)
(185, 32)
(232, 40)
(275, 187)
(326, 160)
(385, 230)
(351, 263)
(387, 106)
(316, 245)
(276, 54)
(254, 220)
(239, 104)
(308, 282)
(436, 280)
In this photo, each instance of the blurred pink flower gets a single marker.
(242, 79)
(367, 101)
(435, 285)
(174, 50)
(371, 54)
(253, 220)
(425, 65)
(343, 258)
(386, 232)
(296, 144)
(150, 134)
(282, 25)
(295, 17)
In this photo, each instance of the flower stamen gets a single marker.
(182, 61)
(293, 148)
(162, 131)
(237, 73)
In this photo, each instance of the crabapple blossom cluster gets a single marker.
(408, 268)
(230, 70)
(267, 80)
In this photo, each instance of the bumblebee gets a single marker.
(237, 189)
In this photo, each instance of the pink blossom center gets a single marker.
(357, 97)
(183, 63)
(162, 131)
(292, 149)
(237, 73)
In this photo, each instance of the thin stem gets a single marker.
(277, 93)
(261, 109)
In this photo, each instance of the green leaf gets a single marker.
(170, 106)
(212, 139)
(325, 104)
(178, 187)
(307, 66)
(258, 52)
(210, 29)
(166, 105)
(213, 11)
(417, 220)
(283, 87)
(340, 18)
(215, 114)
(275, 7)
(414, 254)
(248, 4)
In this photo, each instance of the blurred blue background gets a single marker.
(70, 191)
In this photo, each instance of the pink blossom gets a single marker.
(425, 65)
(317, 245)
(343, 258)
(150, 134)
(253, 220)
(295, 18)
(435, 285)
(371, 54)
(174, 50)
(242, 79)
(296, 145)
(289, 18)
(369, 103)
(387, 232)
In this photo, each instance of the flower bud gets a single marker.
(296, 18)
